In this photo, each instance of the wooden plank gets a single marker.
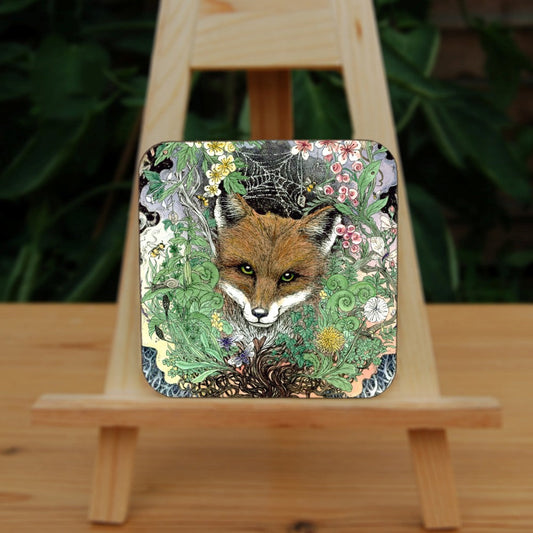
(112, 476)
(264, 480)
(435, 479)
(370, 109)
(108, 410)
(271, 113)
(164, 119)
(265, 38)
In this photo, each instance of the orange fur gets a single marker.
(272, 246)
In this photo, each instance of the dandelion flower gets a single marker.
(330, 340)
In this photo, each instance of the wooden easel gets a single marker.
(268, 39)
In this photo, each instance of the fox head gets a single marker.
(269, 264)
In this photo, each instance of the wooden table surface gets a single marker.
(262, 480)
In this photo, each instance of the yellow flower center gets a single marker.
(330, 340)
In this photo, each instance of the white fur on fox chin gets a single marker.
(280, 324)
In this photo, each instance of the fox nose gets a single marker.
(259, 312)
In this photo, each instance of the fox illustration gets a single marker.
(269, 264)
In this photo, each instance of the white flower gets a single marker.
(386, 222)
(215, 175)
(376, 309)
(377, 244)
(214, 147)
(212, 190)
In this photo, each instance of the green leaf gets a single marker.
(345, 209)
(368, 176)
(320, 106)
(164, 151)
(435, 257)
(192, 365)
(11, 6)
(68, 79)
(205, 375)
(341, 383)
(376, 207)
(232, 183)
(41, 158)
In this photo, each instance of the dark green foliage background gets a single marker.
(72, 83)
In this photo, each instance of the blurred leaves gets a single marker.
(73, 79)
(71, 87)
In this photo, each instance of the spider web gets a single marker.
(278, 181)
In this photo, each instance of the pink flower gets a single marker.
(328, 157)
(349, 150)
(339, 178)
(340, 229)
(328, 189)
(343, 190)
(355, 202)
(357, 166)
(354, 248)
(346, 237)
(341, 197)
(345, 178)
(336, 167)
(350, 229)
(352, 194)
(303, 148)
(329, 147)
(345, 244)
(356, 238)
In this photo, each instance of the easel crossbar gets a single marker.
(121, 410)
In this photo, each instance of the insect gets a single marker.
(311, 186)
(157, 250)
(203, 199)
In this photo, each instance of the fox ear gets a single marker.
(230, 209)
(320, 227)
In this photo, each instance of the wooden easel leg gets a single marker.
(270, 104)
(436, 483)
(113, 475)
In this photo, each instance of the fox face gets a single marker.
(269, 264)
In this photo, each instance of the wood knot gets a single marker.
(302, 527)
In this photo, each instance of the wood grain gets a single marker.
(91, 410)
(271, 113)
(269, 480)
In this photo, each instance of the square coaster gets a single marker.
(268, 268)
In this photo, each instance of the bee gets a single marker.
(203, 199)
(311, 186)
(157, 250)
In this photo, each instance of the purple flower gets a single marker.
(226, 343)
(242, 358)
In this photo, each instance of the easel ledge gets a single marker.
(104, 410)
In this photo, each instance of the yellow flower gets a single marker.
(226, 165)
(215, 175)
(323, 294)
(216, 322)
(230, 147)
(330, 340)
(214, 147)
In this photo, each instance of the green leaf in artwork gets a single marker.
(344, 209)
(341, 383)
(376, 207)
(368, 176)
(205, 375)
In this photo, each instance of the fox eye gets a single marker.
(287, 276)
(247, 269)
